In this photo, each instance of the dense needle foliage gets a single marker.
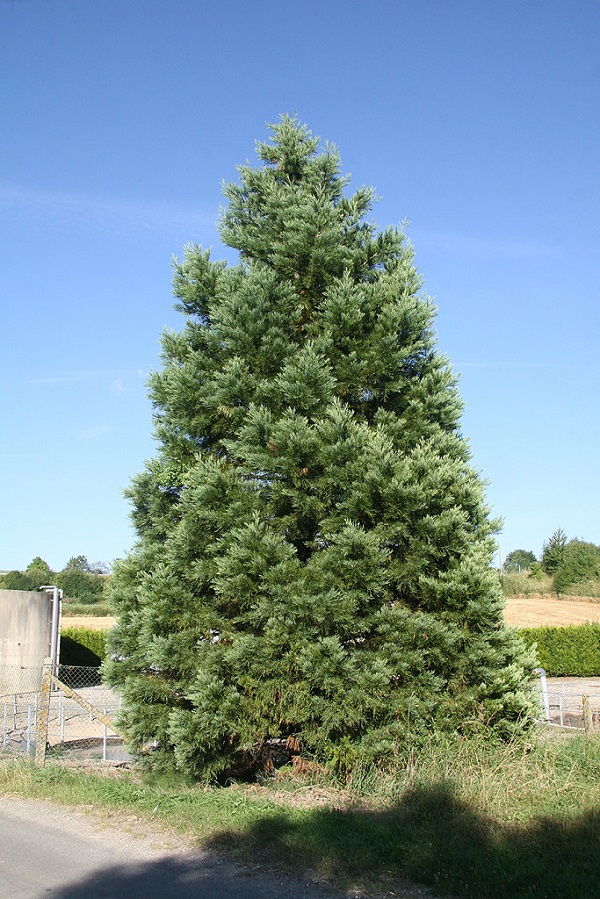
(313, 546)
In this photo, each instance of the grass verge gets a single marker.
(465, 818)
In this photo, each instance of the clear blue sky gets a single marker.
(478, 122)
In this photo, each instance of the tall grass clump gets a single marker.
(590, 589)
(96, 610)
(524, 584)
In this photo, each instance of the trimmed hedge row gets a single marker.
(82, 646)
(572, 651)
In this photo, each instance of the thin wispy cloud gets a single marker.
(473, 246)
(117, 216)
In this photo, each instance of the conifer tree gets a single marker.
(313, 554)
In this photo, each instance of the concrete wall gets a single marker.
(25, 635)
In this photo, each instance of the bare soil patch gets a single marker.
(549, 611)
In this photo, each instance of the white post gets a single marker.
(55, 627)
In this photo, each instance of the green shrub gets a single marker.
(566, 651)
(23, 580)
(83, 586)
(580, 562)
(82, 646)
(536, 572)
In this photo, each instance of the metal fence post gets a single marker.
(560, 708)
(544, 692)
(587, 713)
(44, 712)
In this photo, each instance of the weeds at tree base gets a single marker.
(464, 817)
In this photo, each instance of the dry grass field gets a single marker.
(92, 622)
(521, 611)
(549, 611)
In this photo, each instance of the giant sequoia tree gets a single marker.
(313, 546)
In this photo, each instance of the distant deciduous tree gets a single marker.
(77, 563)
(519, 560)
(40, 568)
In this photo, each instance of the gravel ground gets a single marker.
(57, 853)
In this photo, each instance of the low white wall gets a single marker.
(25, 636)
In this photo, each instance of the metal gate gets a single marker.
(70, 716)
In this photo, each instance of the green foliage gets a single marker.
(82, 646)
(519, 560)
(77, 563)
(536, 571)
(97, 610)
(313, 544)
(81, 585)
(20, 580)
(574, 567)
(580, 562)
(38, 572)
(566, 651)
(78, 580)
(553, 550)
(41, 570)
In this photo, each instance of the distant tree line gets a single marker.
(80, 580)
(567, 562)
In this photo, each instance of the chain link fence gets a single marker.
(76, 712)
(570, 704)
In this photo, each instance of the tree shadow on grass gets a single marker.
(433, 838)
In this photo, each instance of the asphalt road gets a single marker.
(50, 852)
